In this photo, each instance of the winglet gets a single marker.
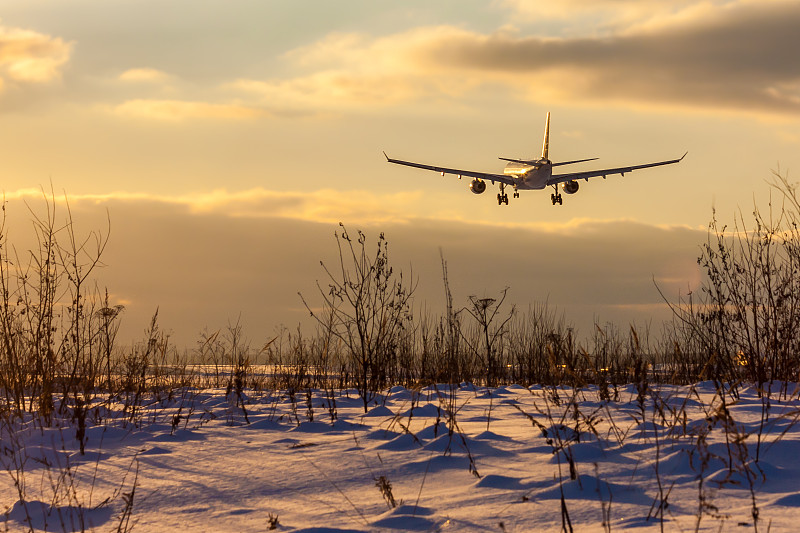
(386, 156)
(684, 155)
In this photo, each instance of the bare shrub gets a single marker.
(488, 342)
(368, 308)
(746, 318)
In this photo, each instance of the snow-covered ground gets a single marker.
(467, 459)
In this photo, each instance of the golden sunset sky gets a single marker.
(226, 140)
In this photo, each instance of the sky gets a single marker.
(225, 141)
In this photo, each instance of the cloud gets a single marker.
(332, 90)
(209, 259)
(604, 13)
(330, 206)
(605, 17)
(327, 206)
(354, 72)
(31, 57)
(742, 59)
(179, 110)
(144, 75)
(736, 57)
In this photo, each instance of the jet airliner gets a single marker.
(525, 174)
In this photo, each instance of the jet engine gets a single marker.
(478, 186)
(570, 187)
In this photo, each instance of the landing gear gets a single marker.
(502, 197)
(516, 194)
(556, 197)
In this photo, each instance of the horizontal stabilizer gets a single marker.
(575, 161)
(520, 161)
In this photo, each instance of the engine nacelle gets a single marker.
(477, 186)
(570, 187)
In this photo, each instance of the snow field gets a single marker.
(464, 458)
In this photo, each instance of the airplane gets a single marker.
(525, 174)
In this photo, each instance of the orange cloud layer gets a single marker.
(143, 75)
(200, 267)
(28, 56)
(736, 57)
(177, 110)
(330, 206)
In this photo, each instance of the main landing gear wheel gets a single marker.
(502, 197)
(516, 194)
(556, 199)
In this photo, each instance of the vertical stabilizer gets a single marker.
(546, 144)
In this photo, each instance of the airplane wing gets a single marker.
(561, 178)
(444, 170)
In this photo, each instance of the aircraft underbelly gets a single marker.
(534, 180)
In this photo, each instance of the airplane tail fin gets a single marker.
(546, 144)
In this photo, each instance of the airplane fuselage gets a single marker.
(533, 176)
